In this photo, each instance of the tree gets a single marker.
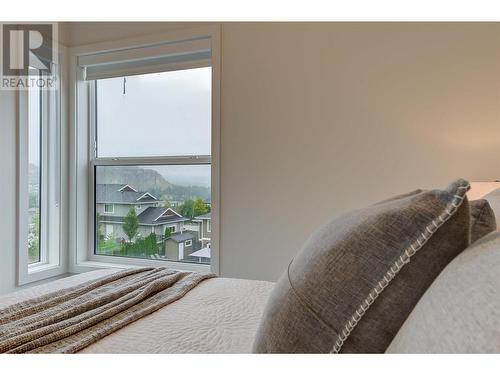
(191, 208)
(200, 207)
(131, 224)
(168, 232)
(34, 239)
(98, 226)
(187, 208)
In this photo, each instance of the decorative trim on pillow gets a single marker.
(415, 246)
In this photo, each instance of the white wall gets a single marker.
(322, 118)
(8, 197)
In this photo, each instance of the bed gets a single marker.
(220, 315)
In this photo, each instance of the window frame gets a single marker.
(82, 149)
(52, 196)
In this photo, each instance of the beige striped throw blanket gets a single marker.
(71, 319)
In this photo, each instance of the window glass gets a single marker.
(34, 174)
(159, 114)
(173, 199)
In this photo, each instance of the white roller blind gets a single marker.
(147, 59)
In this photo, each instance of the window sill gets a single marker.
(93, 265)
(39, 271)
(41, 267)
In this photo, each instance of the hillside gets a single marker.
(149, 180)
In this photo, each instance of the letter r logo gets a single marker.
(25, 46)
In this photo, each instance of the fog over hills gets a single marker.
(149, 179)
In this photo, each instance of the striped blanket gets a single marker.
(71, 319)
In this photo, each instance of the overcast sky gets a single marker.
(161, 114)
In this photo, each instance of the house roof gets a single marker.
(150, 216)
(181, 237)
(159, 215)
(206, 216)
(121, 193)
(202, 253)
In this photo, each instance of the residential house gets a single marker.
(113, 202)
(204, 235)
(179, 246)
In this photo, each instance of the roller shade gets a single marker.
(146, 59)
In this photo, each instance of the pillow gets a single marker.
(353, 285)
(459, 312)
(493, 199)
(482, 219)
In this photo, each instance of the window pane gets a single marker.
(160, 114)
(158, 212)
(34, 136)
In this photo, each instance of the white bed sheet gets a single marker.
(220, 315)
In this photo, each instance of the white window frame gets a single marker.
(53, 197)
(81, 232)
(209, 226)
(188, 243)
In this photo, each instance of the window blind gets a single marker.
(146, 59)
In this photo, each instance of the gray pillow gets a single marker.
(353, 285)
(482, 219)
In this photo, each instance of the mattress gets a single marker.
(220, 315)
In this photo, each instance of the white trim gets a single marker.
(125, 186)
(143, 195)
(188, 241)
(53, 196)
(164, 212)
(82, 153)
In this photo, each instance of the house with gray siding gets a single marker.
(113, 202)
(205, 229)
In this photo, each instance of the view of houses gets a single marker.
(136, 223)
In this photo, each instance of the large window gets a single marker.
(151, 164)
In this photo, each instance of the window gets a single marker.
(109, 208)
(209, 226)
(40, 233)
(188, 243)
(146, 117)
(34, 174)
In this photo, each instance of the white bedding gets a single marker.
(220, 315)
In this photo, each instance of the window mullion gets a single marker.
(163, 160)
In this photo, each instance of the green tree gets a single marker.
(131, 224)
(186, 209)
(200, 207)
(168, 232)
(34, 239)
(191, 208)
(98, 226)
(150, 245)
